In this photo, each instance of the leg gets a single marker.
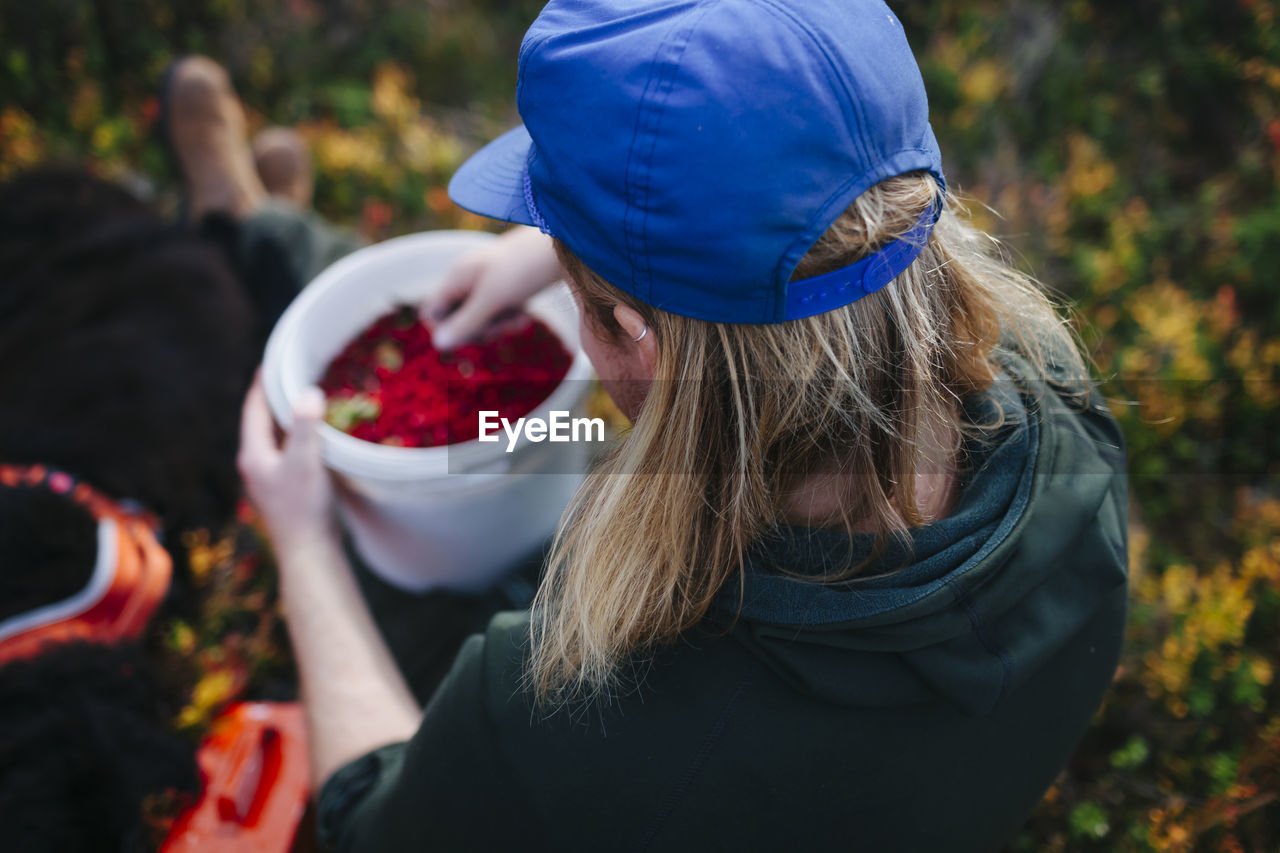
(208, 132)
(284, 164)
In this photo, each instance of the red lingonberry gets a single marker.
(390, 385)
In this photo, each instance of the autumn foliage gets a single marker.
(1129, 155)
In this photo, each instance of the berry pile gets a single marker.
(392, 386)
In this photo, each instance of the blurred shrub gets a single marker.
(1131, 151)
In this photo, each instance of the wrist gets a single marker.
(536, 257)
(303, 549)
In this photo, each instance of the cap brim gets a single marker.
(491, 182)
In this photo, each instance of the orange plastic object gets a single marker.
(256, 783)
(127, 587)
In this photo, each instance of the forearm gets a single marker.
(355, 698)
(535, 252)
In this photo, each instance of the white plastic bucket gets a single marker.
(422, 518)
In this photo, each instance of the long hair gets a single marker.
(739, 415)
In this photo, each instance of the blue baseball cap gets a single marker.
(691, 152)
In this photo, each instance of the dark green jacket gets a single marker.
(925, 710)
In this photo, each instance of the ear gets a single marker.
(633, 326)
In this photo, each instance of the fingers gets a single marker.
(257, 439)
(304, 439)
(310, 406)
(462, 325)
(454, 309)
(458, 283)
(506, 323)
(487, 282)
(289, 487)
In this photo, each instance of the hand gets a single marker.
(489, 285)
(289, 485)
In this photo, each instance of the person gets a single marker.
(124, 342)
(251, 197)
(88, 693)
(126, 349)
(856, 577)
(128, 345)
(77, 680)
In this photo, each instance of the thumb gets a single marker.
(308, 412)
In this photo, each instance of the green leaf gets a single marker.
(345, 413)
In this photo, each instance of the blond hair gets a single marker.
(737, 415)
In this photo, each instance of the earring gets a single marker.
(642, 334)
